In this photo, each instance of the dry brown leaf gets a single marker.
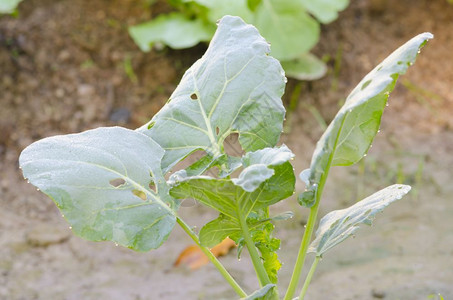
(194, 258)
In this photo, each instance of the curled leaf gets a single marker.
(350, 134)
(338, 225)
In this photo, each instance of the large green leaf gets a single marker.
(349, 136)
(101, 181)
(287, 26)
(174, 30)
(338, 225)
(234, 87)
(325, 11)
(230, 199)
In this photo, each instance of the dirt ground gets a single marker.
(69, 65)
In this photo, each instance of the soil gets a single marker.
(66, 67)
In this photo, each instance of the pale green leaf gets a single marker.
(305, 67)
(349, 136)
(325, 11)
(287, 26)
(338, 225)
(8, 6)
(100, 180)
(174, 30)
(234, 87)
(261, 293)
(258, 166)
(231, 200)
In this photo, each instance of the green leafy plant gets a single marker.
(291, 26)
(110, 184)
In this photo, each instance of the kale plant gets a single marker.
(292, 27)
(110, 184)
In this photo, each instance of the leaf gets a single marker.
(268, 245)
(338, 225)
(325, 11)
(234, 87)
(8, 6)
(305, 67)
(174, 30)
(237, 203)
(349, 136)
(287, 26)
(100, 179)
(258, 166)
(227, 198)
(261, 293)
(194, 258)
(218, 229)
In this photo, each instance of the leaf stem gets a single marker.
(309, 276)
(302, 251)
(212, 258)
(256, 259)
(295, 278)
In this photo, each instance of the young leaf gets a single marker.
(338, 225)
(258, 166)
(100, 179)
(261, 293)
(268, 245)
(174, 30)
(349, 136)
(234, 87)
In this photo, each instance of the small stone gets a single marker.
(44, 235)
(85, 90)
(378, 294)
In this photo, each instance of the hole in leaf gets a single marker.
(187, 161)
(232, 146)
(365, 84)
(189, 202)
(152, 186)
(194, 96)
(117, 182)
(217, 130)
(139, 194)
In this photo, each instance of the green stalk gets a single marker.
(303, 251)
(213, 259)
(309, 276)
(295, 278)
(256, 259)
